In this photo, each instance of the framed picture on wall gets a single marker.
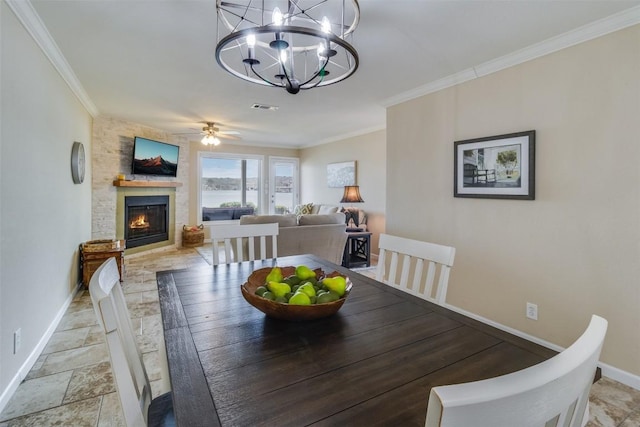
(496, 167)
(341, 174)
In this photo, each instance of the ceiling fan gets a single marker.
(212, 134)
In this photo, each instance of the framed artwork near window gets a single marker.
(341, 174)
(496, 167)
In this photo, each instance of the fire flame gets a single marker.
(139, 222)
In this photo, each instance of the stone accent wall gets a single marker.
(111, 154)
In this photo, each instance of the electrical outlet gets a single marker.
(532, 311)
(17, 338)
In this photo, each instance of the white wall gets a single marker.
(574, 250)
(369, 152)
(44, 215)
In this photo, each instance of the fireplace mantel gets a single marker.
(159, 184)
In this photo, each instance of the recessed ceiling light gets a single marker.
(264, 107)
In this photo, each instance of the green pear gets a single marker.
(275, 275)
(303, 272)
(278, 289)
(336, 284)
(308, 289)
(300, 298)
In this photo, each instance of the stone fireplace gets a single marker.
(111, 154)
(145, 217)
(146, 220)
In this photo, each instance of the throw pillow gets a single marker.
(327, 209)
(303, 209)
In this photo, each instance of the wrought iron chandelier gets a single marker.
(292, 44)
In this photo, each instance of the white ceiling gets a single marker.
(152, 62)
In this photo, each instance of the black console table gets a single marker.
(357, 251)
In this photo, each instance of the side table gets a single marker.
(357, 251)
(94, 252)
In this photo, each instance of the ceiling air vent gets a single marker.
(264, 107)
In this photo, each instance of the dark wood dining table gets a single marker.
(372, 363)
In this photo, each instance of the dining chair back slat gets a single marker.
(553, 393)
(132, 382)
(233, 239)
(411, 256)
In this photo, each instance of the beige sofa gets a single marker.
(317, 234)
(357, 217)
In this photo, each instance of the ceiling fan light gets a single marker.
(209, 140)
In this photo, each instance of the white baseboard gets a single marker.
(619, 375)
(608, 371)
(8, 392)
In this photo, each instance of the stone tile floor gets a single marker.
(71, 383)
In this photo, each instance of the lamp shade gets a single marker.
(351, 194)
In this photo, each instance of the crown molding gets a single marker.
(24, 11)
(434, 86)
(587, 32)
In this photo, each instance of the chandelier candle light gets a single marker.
(293, 44)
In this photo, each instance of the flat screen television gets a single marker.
(154, 157)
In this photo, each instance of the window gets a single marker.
(229, 186)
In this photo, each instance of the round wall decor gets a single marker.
(77, 162)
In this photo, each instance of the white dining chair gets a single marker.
(552, 393)
(132, 382)
(418, 264)
(237, 239)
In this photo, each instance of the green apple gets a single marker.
(292, 280)
(269, 295)
(327, 297)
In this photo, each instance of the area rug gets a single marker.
(206, 252)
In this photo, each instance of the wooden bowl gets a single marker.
(283, 311)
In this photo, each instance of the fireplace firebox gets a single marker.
(146, 220)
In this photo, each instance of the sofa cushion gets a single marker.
(282, 220)
(334, 218)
